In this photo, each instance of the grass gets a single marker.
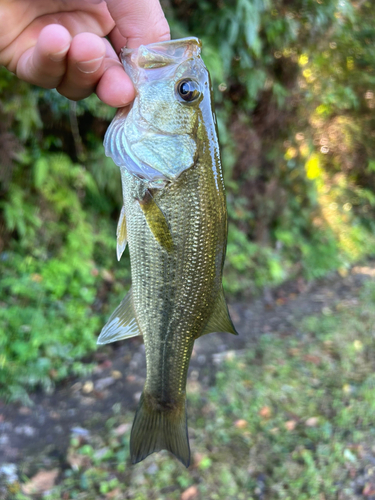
(292, 419)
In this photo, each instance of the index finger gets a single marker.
(138, 22)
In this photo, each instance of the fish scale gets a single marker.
(175, 221)
(172, 288)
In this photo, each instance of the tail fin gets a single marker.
(158, 428)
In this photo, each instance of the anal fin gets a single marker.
(156, 221)
(220, 320)
(122, 324)
(121, 234)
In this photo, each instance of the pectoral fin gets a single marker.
(122, 324)
(220, 320)
(121, 234)
(156, 221)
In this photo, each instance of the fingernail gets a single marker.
(90, 66)
(59, 56)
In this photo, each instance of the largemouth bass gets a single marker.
(174, 220)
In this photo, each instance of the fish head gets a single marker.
(155, 138)
(169, 79)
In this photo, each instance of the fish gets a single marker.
(174, 221)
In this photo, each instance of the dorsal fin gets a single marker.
(156, 221)
(121, 234)
(220, 320)
(122, 324)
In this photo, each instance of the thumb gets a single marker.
(138, 22)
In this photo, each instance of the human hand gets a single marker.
(60, 43)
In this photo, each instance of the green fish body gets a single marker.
(174, 220)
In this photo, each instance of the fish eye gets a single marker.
(188, 90)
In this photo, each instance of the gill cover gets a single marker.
(155, 138)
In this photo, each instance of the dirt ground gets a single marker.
(38, 436)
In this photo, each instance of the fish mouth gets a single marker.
(166, 56)
(160, 54)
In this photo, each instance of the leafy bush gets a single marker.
(293, 86)
(58, 237)
(51, 277)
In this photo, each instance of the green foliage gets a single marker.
(292, 83)
(61, 253)
(250, 266)
(44, 328)
(50, 279)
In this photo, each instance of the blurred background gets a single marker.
(294, 86)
